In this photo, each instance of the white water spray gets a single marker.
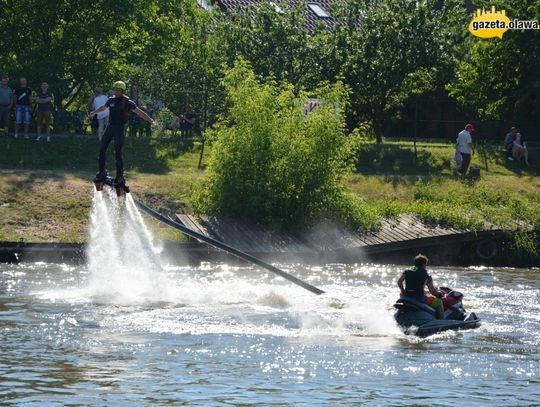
(123, 260)
(125, 269)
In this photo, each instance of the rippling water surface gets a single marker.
(221, 335)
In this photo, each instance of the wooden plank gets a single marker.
(405, 231)
(398, 233)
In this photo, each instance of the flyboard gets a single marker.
(121, 188)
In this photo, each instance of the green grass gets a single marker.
(45, 189)
(435, 158)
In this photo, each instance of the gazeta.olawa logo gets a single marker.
(490, 24)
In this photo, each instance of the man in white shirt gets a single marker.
(465, 147)
(103, 117)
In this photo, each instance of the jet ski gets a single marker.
(417, 318)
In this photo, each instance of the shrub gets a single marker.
(273, 163)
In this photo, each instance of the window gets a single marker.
(205, 4)
(319, 11)
(276, 7)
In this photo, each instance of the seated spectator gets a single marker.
(519, 149)
(187, 120)
(509, 143)
(174, 125)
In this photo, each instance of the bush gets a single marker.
(273, 163)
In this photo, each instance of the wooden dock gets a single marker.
(406, 232)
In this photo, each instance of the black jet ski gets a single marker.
(417, 318)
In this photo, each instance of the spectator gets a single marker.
(465, 147)
(102, 117)
(174, 125)
(44, 111)
(509, 143)
(145, 129)
(94, 120)
(6, 103)
(136, 98)
(187, 120)
(519, 149)
(22, 99)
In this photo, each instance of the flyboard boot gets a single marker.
(101, 179)
(120, 186)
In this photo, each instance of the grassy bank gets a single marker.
(45, 193)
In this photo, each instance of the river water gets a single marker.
(125, 329)
(219, 335)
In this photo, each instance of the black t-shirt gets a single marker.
(22, 95)
(119, 108)
(415, 281)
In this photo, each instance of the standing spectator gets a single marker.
(509, 143)
(519, 149)
(134, 122)
(119, 108)
(187, 120)
(102, 117)
(146, 128)
(465, 147)
(94, 120)
(22, 99)
(44, 111)
(6, 102)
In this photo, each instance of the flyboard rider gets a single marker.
(119, 107)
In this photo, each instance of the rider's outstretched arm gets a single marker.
(142, 114)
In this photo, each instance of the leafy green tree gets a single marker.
(387, 52)
(74, 45)
(184, 64)
(273, 163)
(275, 40)
(498, 79)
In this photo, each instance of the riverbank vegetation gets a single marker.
(45, 190)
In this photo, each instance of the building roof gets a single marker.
(315, 11)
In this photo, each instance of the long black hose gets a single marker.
(220, 245)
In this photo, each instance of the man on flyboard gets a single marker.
(119, 107)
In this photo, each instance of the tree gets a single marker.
(388, 51)
(274, 40)
(498, 79)
(74, 45)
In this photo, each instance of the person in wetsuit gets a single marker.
(415, 279)
(119, 107)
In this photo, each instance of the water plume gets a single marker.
(123, 260)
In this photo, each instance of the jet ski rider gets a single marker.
(416, 278)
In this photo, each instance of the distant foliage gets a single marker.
(273, 163)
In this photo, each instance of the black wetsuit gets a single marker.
(415, 282)
(119, 108)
